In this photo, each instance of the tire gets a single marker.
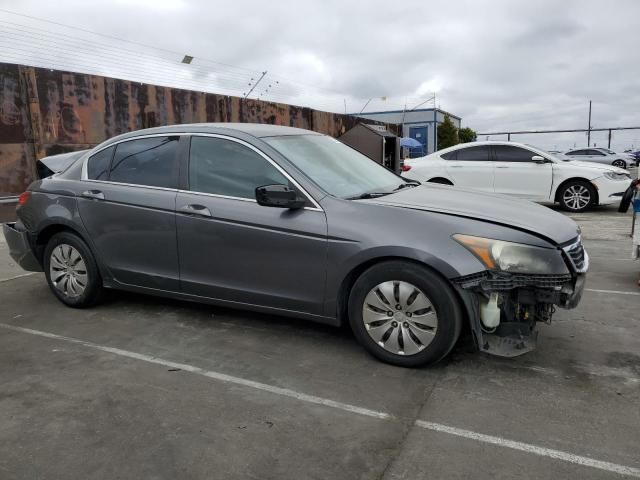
(577, 196)
(627, 196)
(620, 164)
(68, 264)
(441, 181)
(434, 325)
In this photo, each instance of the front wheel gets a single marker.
(577, 196)
(71, 271)
(404, 314)
(619, 163)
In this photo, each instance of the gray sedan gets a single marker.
(287, 221)
(602, 155)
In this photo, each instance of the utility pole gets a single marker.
(589, 127)
(609, 144)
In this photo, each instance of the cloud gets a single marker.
(499, 64)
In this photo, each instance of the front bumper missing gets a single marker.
(20, 248)
(524, 301)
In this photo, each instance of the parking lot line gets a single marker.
(533, 449)
(617, 292)
(479, 437)
(17, 276)
(208, 373)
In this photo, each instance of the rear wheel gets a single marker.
(619, 163)
(71, 271)
(577, 196)
(404, 314)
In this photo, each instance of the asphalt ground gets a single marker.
(149, 388)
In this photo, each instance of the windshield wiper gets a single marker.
(362, 196)
(411, 183)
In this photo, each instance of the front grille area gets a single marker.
(578, 256)
(492, 281)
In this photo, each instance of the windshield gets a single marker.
(336, 168)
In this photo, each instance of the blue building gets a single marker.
(420, 124)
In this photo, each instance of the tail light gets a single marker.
(405, 168)
(24, 198)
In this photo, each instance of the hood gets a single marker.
(57, 163)
(520, 214)
(601, 167)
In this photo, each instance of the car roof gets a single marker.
(258, 130)
(485, 142)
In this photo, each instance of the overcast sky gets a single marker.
(500, 65)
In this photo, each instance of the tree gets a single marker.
(447, 134)
(467, 135)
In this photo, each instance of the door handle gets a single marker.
(501, 166)
(97, 194)
(195, 209)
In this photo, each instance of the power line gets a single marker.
(179, 54)
(113, 51)
(112, 37)
(166, 71)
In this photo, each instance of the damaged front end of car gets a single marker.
(521, 286)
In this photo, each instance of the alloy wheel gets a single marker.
(399, 317)
(68, 271)
(619, 164)
(576, 197)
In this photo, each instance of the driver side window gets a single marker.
(224, 167)
(509, 153)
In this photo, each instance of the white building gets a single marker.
(420, 124)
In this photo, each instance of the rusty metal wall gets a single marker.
(44, 112)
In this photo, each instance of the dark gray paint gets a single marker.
(290, 262)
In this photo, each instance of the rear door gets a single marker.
(518, 175)
(233, 249)
(471, 167)
(128, 208)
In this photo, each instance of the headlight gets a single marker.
(617, 176)
(513, 257)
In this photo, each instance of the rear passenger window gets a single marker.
(98, 164)
(478, 154)
(147, 161)
(450, 155)
(223, 167)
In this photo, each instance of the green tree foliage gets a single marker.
(447, 134)
(466, 135)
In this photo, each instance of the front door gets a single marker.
(128, 207)
(518, 175)
(421, 135)
(471, 167)
(233, 249)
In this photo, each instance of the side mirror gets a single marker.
(280, 196)
(538, 159)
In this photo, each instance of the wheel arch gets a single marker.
(54, 226)
(556, 195)
(354, 273)
(46, 232)
(440, 180)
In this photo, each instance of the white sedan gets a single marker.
(522, 171)
(602, 155)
